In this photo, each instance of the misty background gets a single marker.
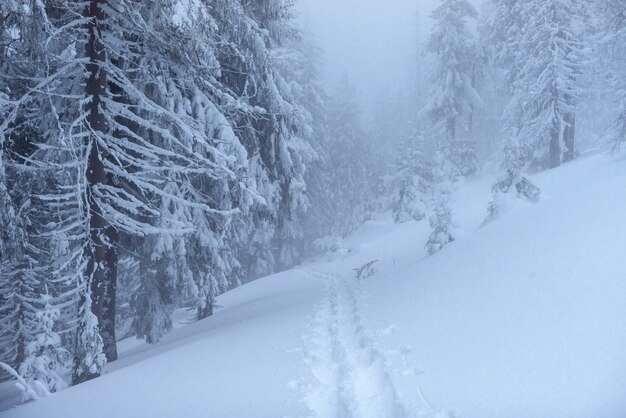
(320, 198)
(373, 42)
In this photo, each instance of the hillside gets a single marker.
(521, 317)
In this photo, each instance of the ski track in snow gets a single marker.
(350, 375)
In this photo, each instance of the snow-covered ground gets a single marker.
(522, 317)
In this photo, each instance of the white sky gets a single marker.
(370, 40)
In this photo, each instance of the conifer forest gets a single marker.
(312, 208)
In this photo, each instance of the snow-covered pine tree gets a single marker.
(166, 278)
(268, 121)
(18, 49)
(44, 176)
(513, 183)
(612, 28)
(58, 231)
(243, 60)
(541, 47)
(120, 103)
(13, 285)
(7, 226)
(284, 126)
(88, 351)
(349, 160)
(500, 31)
(172, 273)
(397, 123)
(46, 362)
(453, 95)
(412, 183)
(501, 38)
(298, 61)
(441, 219)
(440, 223)
(128, 134)
(128, 280)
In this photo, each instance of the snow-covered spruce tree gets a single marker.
(299, 61)
(8, 226)
(612, 28)
(128, 279)
(165, 277)
(46, 362)
(513, 183)
(441, 219)
(268, 121)
(130, 132)
(40, 262)
(440, 222)
(170, 272)
(211, 265)
(500, 32)
(58, 231)
(45, 180)
(453, 95)
(23, 272)
(541, 48)
(127, 99)
(214, 273)
(205, 264)
(396, 132)
(412, 183)
(14, 283)
(89, 357)
(285, 126)
(349, 160)
(501, 38)
(242, 56)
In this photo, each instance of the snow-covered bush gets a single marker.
(407, 203)
(412, 183)
(89, 358)
(329, 243)
(440, 222)
(46, 361)
(513, 184)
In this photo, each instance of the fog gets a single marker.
(370, 41)
(373, 42)
(438, 237)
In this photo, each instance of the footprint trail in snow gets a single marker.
(350, 375)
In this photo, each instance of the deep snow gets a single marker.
(522, 317)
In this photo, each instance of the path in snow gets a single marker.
(350, 375)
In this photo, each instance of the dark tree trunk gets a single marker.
(102, 253)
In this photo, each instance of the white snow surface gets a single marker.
(521, 317)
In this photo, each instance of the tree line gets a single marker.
(154, 154)
(518, 84)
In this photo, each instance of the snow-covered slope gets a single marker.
(522, 317)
